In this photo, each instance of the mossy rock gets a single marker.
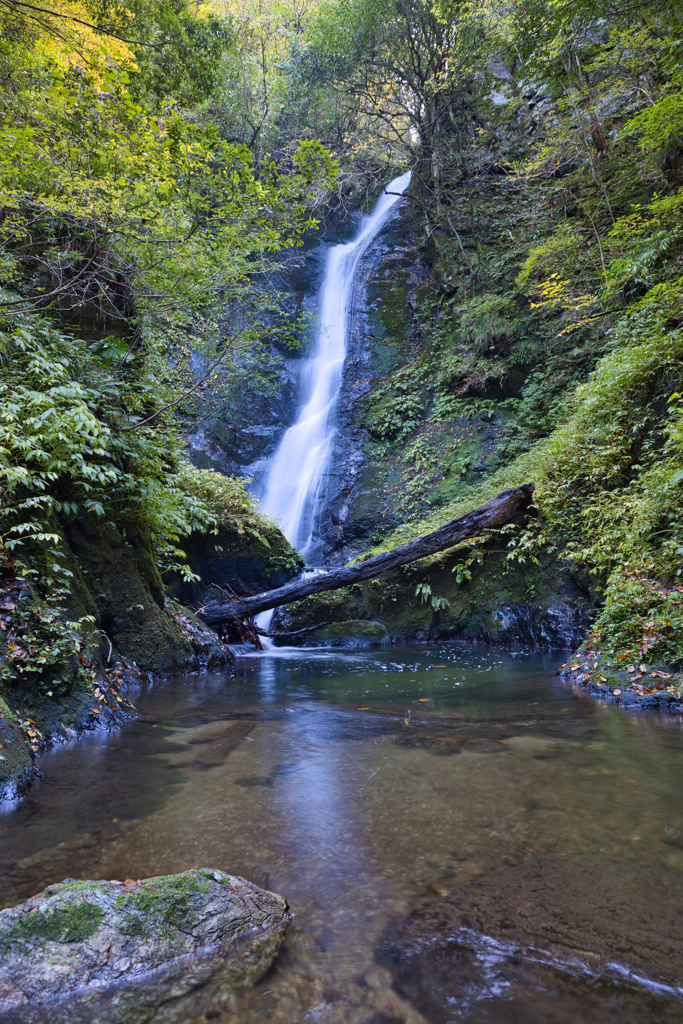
(352, 633)
(81, 945)
(502, 603)
(120, 572)
(17, 770)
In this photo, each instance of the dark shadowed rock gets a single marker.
(243, 562)
(84, 950)
(340, 634)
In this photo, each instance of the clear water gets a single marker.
(379, 791)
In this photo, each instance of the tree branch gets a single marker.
(13, 4)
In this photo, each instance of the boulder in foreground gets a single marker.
(79, 941)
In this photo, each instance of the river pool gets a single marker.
(460, 835)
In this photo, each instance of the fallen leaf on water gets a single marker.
(616, 692)
(406, 721)
(362, 709)
(423, 699)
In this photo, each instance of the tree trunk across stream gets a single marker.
(506, 507)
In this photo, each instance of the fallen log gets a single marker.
(506, 507)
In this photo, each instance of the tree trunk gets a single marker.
(505, 508)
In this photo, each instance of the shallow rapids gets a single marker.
(460, 836)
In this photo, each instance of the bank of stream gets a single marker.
(461, 835)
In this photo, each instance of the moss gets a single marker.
(74, 923)
(351, 633)
(121, 575)
(16, 764)
(503, 601)
(169, 902)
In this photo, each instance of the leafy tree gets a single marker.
(180, 47)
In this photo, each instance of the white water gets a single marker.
(297, 471)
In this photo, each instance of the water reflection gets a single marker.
(432, 815)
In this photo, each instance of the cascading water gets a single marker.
(293, 486)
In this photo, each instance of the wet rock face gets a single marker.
(541, 942)
(239, 421)
(353, 633)
(535, 607)
(114, 952)
(244, 563)
(355, 502)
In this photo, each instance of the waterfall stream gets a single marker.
(294, 483)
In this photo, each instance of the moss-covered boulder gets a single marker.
(352, 633)
(497, 602)
(80, 945)
(123, 581)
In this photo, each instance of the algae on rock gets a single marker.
(98, 950)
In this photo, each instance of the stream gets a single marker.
(460, 835)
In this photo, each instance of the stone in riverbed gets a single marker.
(85, 944)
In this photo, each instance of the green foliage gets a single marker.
(554, 255)
(396, 405)
(130, 210)
(177, 54)
(424, 592)
(483, 321)
(64, 447)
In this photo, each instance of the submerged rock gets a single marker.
(86, 950)
(552, 940)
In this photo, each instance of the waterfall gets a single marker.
(294, 482)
